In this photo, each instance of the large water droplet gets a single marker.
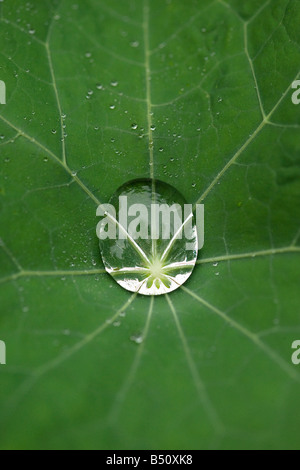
(154, 251)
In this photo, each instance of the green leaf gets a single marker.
(197, 94)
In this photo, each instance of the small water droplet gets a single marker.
(215, 264)
(135, 44)
(88, 55)
(153, 128)
(114, 83)
(161, 149)
(138, 339)
(74, 173)
(31, 31)
(217, 274)
(134, 126)
(122, 314)
(45, 159)
(99, 86)
(116, 323)
(112, 106)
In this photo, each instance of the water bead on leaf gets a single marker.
(149, 254)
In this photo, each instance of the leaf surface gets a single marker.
(197, 94)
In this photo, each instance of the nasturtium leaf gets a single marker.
(197, 94)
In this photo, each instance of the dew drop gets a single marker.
(215, 264)
(112, 106)
(134, 126)
(138, 339)
(99, 86)
(161, 149)
(153, 128)
(114, 83)
(144, 256)
(134, 44)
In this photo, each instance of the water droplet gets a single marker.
(116, 323)
(151, 253)
(215, 264)
(134, 126)
(99, 86)
(74, 173)
(217, 274)
(2, 137)
(63, 116)
(135, 44)
(138, 339)
(31, 31)
(114, 83)
(46, 159)
(152, 128)
(122, 314)
(88, 55)
(112, 106)
(161, 149)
